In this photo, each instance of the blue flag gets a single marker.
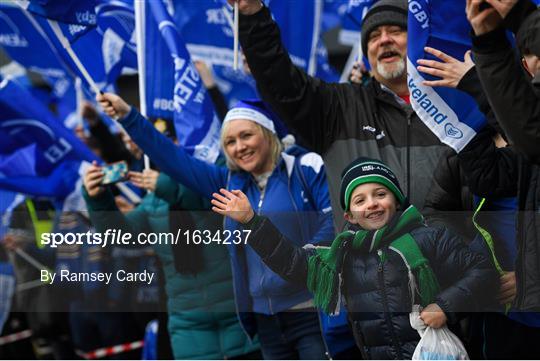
(452, 115)
(333, 12)
(39, 155)
(197, 126)
(25, 41)
(104, 46)
(352, 21)
(156, 68)
(300, 26)
(67, 11)
(206, 27)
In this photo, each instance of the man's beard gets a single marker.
(397, 72)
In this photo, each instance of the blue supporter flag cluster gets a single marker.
(452, 115)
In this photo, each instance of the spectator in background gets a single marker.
(220, 104)
(511, 87)
(491, 170)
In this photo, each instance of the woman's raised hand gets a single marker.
(233, 204)
(114, 106)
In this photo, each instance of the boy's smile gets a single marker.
(372, 205)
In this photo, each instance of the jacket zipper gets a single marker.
(387, 318)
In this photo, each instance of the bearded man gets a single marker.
(345, 121)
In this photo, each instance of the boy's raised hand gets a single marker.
(233, 204)
(433, 316)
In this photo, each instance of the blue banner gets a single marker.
(300, 26)
(352, 21)
(206, 27)
(38, 155)
(451, 114)
(26, 42)
(104, 49)
(80, 12)
(197, 126)
(156, 69)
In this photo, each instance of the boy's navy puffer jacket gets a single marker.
(376, 285)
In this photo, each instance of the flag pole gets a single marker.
(65, 43)
(235, 30)
(140, 11)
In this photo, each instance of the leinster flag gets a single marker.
(197, 126)
(38, 155)
(67, 11)
(25, 41)
(452, 115)
(100, 34)
(352, 21)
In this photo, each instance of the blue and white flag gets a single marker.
(105, 45)
(26, 42)
(352, 21)
(333, 12)
(324, 70)
(155, 68)
(206, 27)
(452, 115)
(80, 12)
(38, 155)
(300, 26)
(197, 126)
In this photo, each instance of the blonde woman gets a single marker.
(290, 190)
